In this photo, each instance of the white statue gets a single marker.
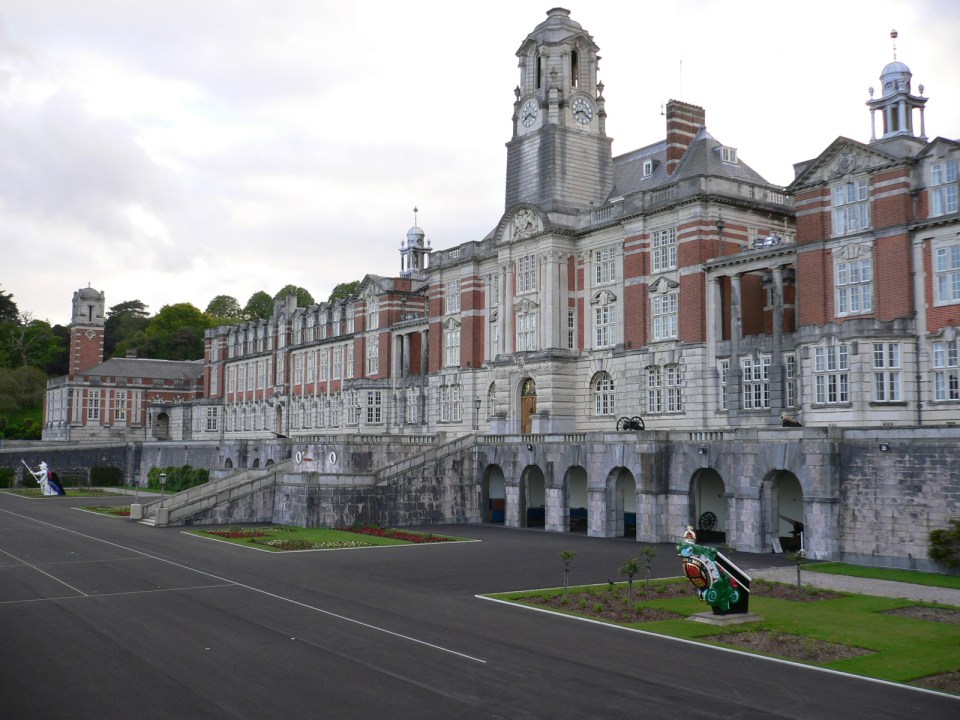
(48, 481)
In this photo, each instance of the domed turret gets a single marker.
(896, 102)
(413, 252)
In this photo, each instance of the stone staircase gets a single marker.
(429, 455)
(178, 508)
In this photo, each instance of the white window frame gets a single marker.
(526, 274)
(887, 372)
(853, 280)
(526, 331)
(665, 310)
(605, 325)
(946, 370)
(604, 395)
(120, 406)
(451, 347)
(943, 190)
(946, 269)
(755, 376)
(452, 301)
(605, 266)
(663, 246)
(831, 374)
(374, 407)
(851, 207)
(373, 355)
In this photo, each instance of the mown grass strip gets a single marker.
(284, 538)
(892, 574)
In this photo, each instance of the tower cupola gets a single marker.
(897, 102)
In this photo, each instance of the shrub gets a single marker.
(7, 477)
(945, 544)
(106, 476)
(178, 478)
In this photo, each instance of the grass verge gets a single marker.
(112, 510)
(34, 492)
(893, 574)
(284, 538)
(902, 649)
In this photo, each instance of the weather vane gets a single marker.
(415, 214)
(893, 36)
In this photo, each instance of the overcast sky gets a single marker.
(171, 151)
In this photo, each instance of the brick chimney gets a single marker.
(684, 121)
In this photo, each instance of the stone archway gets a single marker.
(161, 428)
(577, 503)
(708, 506)
(532, 498)
(621, 503)
(493, 500)
(528, 405)
(781, 509)
(228, 464)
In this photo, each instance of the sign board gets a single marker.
(776, 546)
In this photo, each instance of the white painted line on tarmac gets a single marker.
(116, 594)
(889, 683)
(337, 616)
(42, 572)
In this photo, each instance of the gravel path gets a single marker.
(863, 586)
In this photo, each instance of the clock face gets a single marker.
(528, 113)
(582, 110)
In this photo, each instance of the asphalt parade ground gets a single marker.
(105, 618)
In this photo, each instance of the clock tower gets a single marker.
(560, 156)
(86, 330)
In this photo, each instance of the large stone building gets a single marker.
(670, 283)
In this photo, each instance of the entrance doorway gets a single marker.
(494, 499)
(578, 518)
(533, 498)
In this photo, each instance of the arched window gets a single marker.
(603, 394)
(575, 69)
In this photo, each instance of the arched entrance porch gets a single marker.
(781, 508)
(493, 495)
(622, 503)
(708, 506)
(532, 498)
(575, 492)
(528, 405)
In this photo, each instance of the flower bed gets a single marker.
(395, 534)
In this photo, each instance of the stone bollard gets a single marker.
(163, 517)
(136, 511)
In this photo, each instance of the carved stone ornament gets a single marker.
(852, 251)
(526, 223)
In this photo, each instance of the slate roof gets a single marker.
(703, 157)
(188, 370)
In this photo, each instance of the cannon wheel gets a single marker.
(637, 423)
(623, 423)
(707, 521)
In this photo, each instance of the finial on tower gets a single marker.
(415, 211)
(893, 36)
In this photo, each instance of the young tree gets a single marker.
(258, 307)
(567, 556)
(649, 552)
(630, 568)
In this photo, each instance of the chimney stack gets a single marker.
(684, 121)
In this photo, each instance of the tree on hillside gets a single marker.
(343, 291)
(28, 342)
(124, 322)
(304, 298)
(8, 308)
(224, 307)
(258, 307)
(174, 333)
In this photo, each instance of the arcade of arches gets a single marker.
(620, 504)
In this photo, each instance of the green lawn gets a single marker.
(34, 492)
(904, 648)
(877, 573)
(282, 538)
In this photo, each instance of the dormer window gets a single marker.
(647, 168)
(728, 154)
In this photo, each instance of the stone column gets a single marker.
(506, 311)
(549, 307)
(777, 387)
(736, 333)
(405, 351)
(424, 352)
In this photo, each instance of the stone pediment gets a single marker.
(525, 305)
(663, 285)
(451, 324)
(843, 158)
(519, 223)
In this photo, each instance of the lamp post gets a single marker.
(720, 225)
(476, 413)
(163, 487)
